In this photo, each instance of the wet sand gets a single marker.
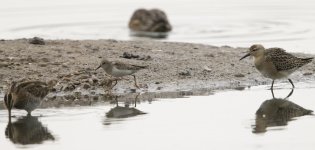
(172, 66)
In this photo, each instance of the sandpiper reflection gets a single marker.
(277, 112)
(119, 112)
(28, 130)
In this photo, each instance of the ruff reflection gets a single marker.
(118, 112)
(27, 130)
(277, 112)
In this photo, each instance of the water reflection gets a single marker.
(69, 100)
(125, 111)
(28, 130)
(277, 112)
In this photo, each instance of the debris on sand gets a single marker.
(37, 41)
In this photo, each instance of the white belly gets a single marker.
(120, 73)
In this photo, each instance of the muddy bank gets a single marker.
(172, 66)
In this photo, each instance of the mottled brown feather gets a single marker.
(283, 60)
(37, 89)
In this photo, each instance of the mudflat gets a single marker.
(172, 66)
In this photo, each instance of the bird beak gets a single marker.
(248, 54)
(98, 67)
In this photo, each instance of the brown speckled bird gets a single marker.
(275, 63)
(25, 95)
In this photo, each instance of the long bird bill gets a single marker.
(98, 67)
(248, 54)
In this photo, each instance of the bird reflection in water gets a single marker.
(28, 130)
(277, 112)
(119, 112)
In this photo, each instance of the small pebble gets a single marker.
(307, 73)
(37, 41)
(86, 86)
(69, 87)
(185, 73)
(157, 82)
(239, 75)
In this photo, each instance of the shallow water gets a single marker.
(289, 24)
(223, 120)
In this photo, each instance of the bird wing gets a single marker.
(281, 59)
(125, 66)
(34, 88)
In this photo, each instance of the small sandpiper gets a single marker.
(26, 95)
(275, 63)
(119, 69)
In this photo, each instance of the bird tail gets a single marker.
(307, 60)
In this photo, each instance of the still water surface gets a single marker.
(283, 23)
(224, 120)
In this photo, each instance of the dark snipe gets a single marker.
(26, 95)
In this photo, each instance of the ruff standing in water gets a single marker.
(275, 63)
(119, 69)
(26, 95)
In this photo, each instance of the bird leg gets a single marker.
(136, 99)
(291, 83)
(116, 99)
(273, 95)
(9, 115)
(114, 84)
(273, 81)
(9, 103)
(29, 114)
(136, 85)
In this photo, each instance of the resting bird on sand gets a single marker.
(119, 69)
(26, 95)
(275, 63)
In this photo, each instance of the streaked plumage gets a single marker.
(275, 63)
(284, 61)
(25, 95)
(120, 69)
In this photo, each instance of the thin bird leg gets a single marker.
(273, 95)
(114, 84)
(10, 116)
(116, 99)
(291, 83)
(29, 114)
(136, 85)
(273, 81)
(136, 99)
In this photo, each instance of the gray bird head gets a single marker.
(104, 64)
(255, 50)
